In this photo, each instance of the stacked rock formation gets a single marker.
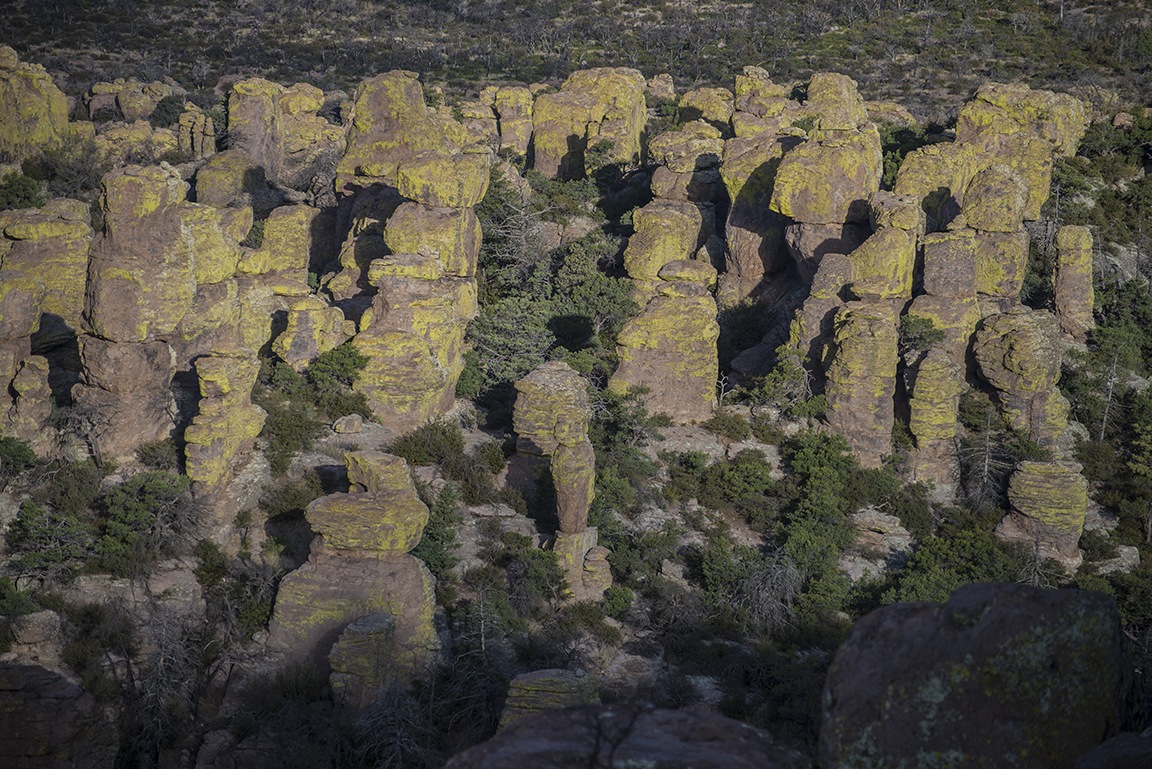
(22, 374)
(551, 423)
(227, 422)
(823, 184)
(129, 100)
(1049, 501)
(33, 111)
(425, 287)
(280, 129)
(1000, 675)
(360, 568)
(592, 106)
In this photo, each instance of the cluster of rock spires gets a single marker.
(150, 314)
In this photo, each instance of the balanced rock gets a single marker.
(1049, 500)
(227, 422)
(827, 179)
(999, 109)
(514, 108)
(1000, 675)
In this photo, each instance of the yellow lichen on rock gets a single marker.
(1004, 109)
(227, 422)
(884, 263)
(444, 181)
(935, 397)
(713, 106)
(837, 102)
(313, 327)
(33, 111)
(390, 520)
(828, 179)
(666, 231)
(1072, 288)
(452, 234)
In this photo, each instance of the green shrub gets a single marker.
(149, 516)
(163, 454)
(16, 456)
(1097, 546)
(73, 170)
(288, 501)
(255, 236)
(767, 431)
(617, 601)
(73, 489)
(167, 112)
(211, 564)
(491, 455)
(432, 443)
(438, 541)
(13, 602)
(48, 543)
(19, 191)
(731, 425)
(588, 615)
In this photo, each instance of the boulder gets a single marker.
(935, 385)
(390, 520)
(541, 690)
(827, 179)
(1054, 497)
(757, 95)
(836, 102)
(884, 263)
(666, 231)
(313, 327)
(937, 175)
(713, 106)
(33, 111)
(629, 735)
(1004, 109)
(374, 471)
(694, 147)
(1018, 354)
(51, 243)
(995, 199)
(438, 180)
(551, 410)
(451, 234)
(950, 263)
(808, 244)
(390, 123)
(1000, 675)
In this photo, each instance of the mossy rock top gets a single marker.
(386, 521)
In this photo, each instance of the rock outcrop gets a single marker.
(541, 690)
(1072, 288)
(279, 128)
(592, 106)
(33, 111)
(1000, 675)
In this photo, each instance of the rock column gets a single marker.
(551, 421)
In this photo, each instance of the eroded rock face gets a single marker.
(1000, 675)
(48, 722)
(1017, 353)
(1073, 293)
(227, 422)
(861, 374)
(629, 735)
